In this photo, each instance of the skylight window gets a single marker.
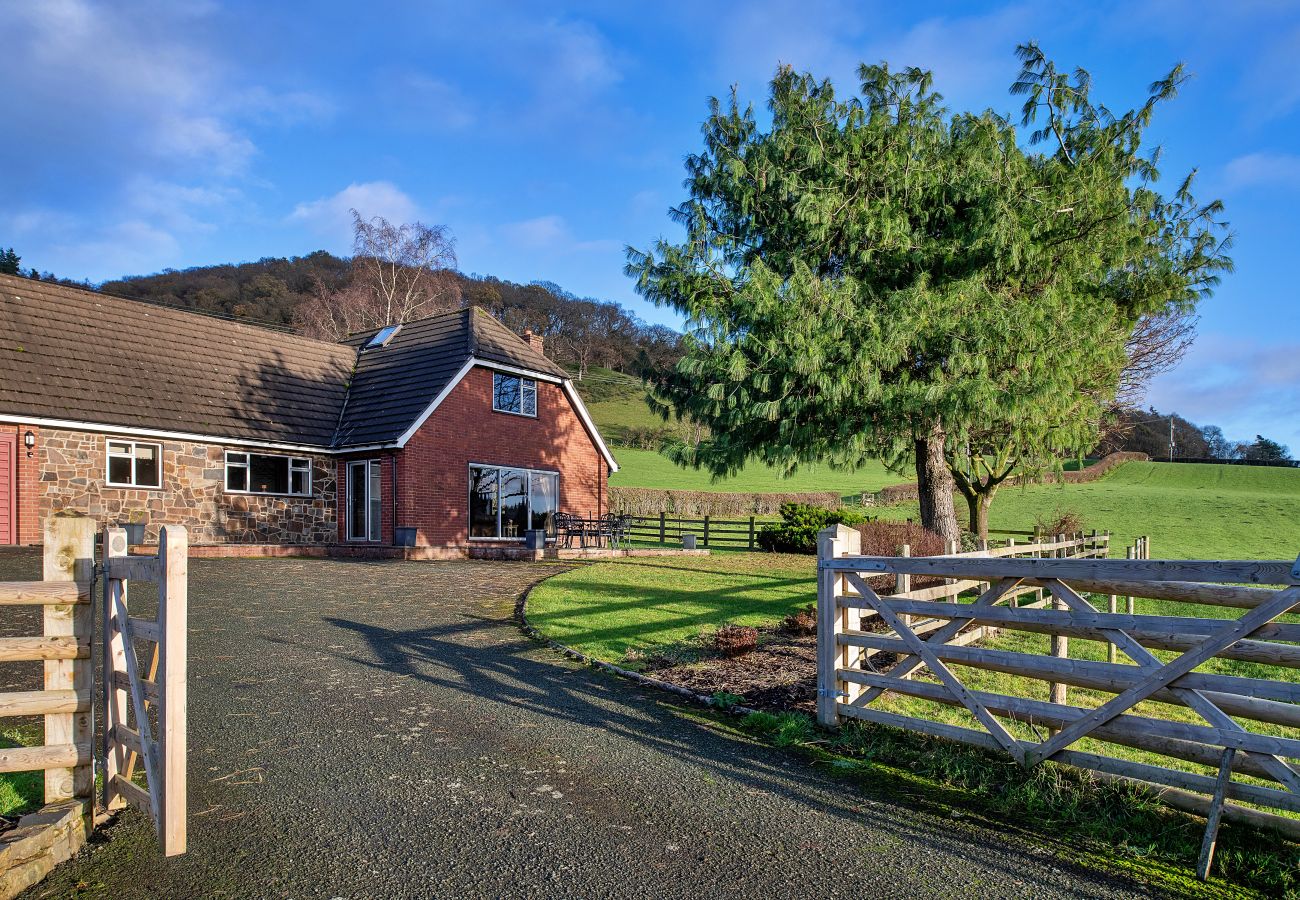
(382, 337)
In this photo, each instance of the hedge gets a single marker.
(896, 493)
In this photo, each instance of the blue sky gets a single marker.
(145, 135)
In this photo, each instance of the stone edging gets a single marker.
(42, 840)
(521, 616)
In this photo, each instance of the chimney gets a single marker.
(534, 340)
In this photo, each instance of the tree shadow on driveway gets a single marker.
(489, 661)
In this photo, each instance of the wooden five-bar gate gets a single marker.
(928, 636)
(145, 705)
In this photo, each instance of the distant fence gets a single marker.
(652, 502)
(927, 629)
(735, 534)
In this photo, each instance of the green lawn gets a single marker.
(1190, 511)
(647, 468)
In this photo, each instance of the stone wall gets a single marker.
(73, 475)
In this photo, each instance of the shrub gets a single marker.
(726, 700)
(1060, 521)
(802, 621)
(887, 539)
(735, 640)
(800, 523)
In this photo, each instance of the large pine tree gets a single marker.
(875, 276)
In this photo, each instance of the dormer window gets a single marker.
(382, 337)
(513, 394)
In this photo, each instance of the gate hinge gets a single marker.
(824, 692)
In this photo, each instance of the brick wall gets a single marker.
(433, 468)
(28, 484)
(68, 472)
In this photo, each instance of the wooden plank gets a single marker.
(1176, 591)
(28, 649)
(133, 568)
(1177, 739)
(68, 555)
(1070, 570)
(1265, 652)
(41, 703)
(51, 758)
(145, 629)
(40, 593)
(1011, 616)
(132, 793)
(1216, 815)
(116, 682)
(149, 687)
(1171, 671)
(951, 681)
(1248, 697)
(129, 738)
(173, 612)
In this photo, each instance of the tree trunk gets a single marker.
(934, 486)
(979, 504)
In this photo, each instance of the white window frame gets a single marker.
(109, 455)
(296, 464)
(526, 385)
(374, 517)
(528, 489)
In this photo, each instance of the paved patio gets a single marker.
(383, 729)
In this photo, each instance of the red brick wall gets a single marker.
(28, 484)
(433, 468)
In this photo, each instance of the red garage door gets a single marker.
(8, 489)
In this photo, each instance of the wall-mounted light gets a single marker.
(29, 441)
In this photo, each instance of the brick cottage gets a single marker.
(445, 434)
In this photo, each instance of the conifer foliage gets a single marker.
(875, 275)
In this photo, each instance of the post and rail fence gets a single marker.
(66, 702)
(924, 634)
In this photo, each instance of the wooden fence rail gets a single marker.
(927, 632)
(63, 649)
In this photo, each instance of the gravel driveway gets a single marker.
(363, 729)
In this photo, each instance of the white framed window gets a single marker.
(514, 394)
(504, 502)
(134, 464)
(263, 473)
(365, 500)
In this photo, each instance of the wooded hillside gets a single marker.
(580, 332)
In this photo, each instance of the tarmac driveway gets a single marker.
(383, 729)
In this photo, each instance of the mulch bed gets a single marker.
(781, 675)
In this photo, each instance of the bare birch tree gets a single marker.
(399, 273)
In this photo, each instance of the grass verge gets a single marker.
(21, 792)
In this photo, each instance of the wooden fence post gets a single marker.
(1057, 691)
(69, 555)
(833, 543)
(1130, 553)
(751, 532)
(663, 528)
(706, 531)
(173, 610)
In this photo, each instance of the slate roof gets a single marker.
(395, 383)
(74, 354)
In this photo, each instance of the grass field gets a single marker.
(648, 469)
(1190, 511)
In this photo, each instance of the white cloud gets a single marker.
(331, 216)
(433, 103)
(551, 233)
(1262, 169)
(100, 251)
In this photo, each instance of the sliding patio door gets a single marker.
(365, 501)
